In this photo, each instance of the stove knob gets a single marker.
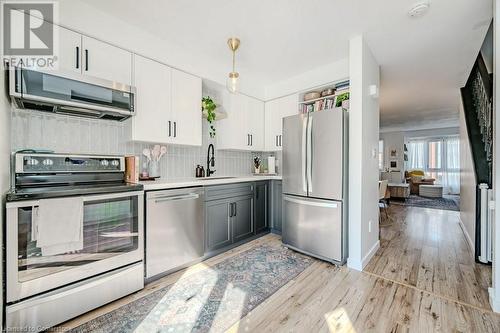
(115, 163)
(32, 162)
(47, 162)
(104, 163)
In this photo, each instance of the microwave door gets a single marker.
(294, 155)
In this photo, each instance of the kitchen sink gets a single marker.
(215, 178)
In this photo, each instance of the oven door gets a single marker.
(112, 238)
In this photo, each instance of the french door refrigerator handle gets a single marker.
(309, 153)
(304, 153)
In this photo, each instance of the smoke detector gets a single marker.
(419, 9)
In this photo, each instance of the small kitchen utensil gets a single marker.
(163, 151)
(146, 152)
(156, 152)
(312, 95)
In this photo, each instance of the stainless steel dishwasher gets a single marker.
(175, 233)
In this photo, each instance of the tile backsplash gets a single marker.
(66, 134)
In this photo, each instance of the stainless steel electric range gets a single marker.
(57, 269)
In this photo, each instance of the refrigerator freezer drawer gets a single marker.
(313, 226)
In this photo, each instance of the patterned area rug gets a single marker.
(449, 202)
(210, 300)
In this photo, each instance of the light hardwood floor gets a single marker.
(423, 279)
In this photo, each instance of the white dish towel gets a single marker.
(58, 225)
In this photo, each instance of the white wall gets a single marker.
(467, 184)
(393, 140)
(363, 160)
(333, 72)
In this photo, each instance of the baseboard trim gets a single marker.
(467, 236)
(494, 302)
(359, 265)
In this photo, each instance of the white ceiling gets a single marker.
(423, 61)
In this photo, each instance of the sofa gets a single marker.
(416, 178)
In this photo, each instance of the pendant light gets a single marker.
(232, 80)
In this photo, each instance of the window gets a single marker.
(381, 154)
(439, 158)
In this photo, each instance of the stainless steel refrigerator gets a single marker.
(315, 184)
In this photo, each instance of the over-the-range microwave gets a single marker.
(70, 94)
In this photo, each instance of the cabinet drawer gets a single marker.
(228, 191)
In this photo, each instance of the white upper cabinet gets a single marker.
(106, 61)
(168, 104)
(275, 111)
(69, 58)
(243, 129)
(186, 108)
(255, 114)
(153, 101)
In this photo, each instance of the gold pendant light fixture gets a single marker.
(232, 81)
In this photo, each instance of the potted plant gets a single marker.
(208, 107)
(341, 99)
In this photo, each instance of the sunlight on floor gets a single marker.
(181, 313)
(233, 297)
(338, 321)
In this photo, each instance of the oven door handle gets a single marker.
(112, 196)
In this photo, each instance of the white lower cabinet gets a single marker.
(243, 129)
(168, 104)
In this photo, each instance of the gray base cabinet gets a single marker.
(242, 218)
(276, 202)
(261, 206)
(218, 224)
(229, 215)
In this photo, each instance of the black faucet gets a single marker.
(210, 160)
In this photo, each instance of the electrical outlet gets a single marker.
(370, 226)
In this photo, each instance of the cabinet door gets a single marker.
(276, 110)
(70, 51)
(218, 224)
(153, 102)
(277, 193)
(261, 211)
(106, 61)
(186, 108)
(67, 48)
(232, 133)
(255, 116)
(242, 218)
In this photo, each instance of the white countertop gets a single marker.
(162, 184)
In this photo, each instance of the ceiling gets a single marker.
(423, 60)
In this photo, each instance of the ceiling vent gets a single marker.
(419, 9)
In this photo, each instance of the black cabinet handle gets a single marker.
(175, 129)
(169, 128)
(86, 59)
(77, 57)
(276, 141)
(231, 209)
(280, 136)
(248, 139)
(235, 211)
(251, 139)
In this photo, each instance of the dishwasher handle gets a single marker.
(190, 196)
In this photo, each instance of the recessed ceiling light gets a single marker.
(419, 9)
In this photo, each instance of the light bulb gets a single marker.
(232, 82)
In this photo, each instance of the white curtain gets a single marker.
(416, 154)
(451, 175)
(445, 160)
